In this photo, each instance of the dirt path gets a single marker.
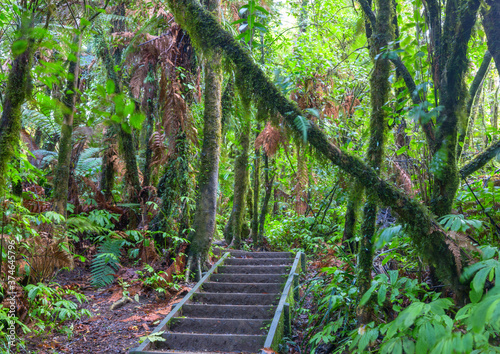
(107, 331)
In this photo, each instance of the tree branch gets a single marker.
(478, 79)
(428, 127)
(430, 239)
(370, 15)
(481, 159)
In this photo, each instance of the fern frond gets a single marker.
(302, 124)
(80, 224)
(106, 262)
(41, 121)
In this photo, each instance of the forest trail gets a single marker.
(231, 311)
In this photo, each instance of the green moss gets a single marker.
(15, 95)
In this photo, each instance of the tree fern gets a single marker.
(87, 163)
(106, 262)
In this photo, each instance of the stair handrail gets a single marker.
(281, 305)
(163, 324)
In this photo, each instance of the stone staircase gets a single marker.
(232, 311)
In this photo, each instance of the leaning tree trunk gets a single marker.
(379, 89)
(432, 242)
(206, 200)
(62, 175)
(18, 85)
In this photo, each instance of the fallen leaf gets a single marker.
(152, 317)
(132, 318)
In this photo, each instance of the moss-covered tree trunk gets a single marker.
(351, 215)
(268, 185)
(206, 198)
(432, 242)
(62, 175)
(125, 139)
(256, 193)
(173, 185)
(473, 93)
(150, 93)
(18, 85)
(453, 65)
(491, 17)
(234, 235)
(379, 93)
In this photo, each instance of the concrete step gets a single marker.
(248, 278)
(245, 254)
(228, 311)
(219, 326)
(249, 269)
(259, 261)
(261, 288)
(211, 342)
(236, 298)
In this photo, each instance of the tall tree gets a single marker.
(233, 232)
(206, 199)
(61, 181)
(379, 89)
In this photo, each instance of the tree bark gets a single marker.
(492, 30)
(62, 175)
(206, 200)
(433, 243)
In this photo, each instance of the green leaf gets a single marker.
(129, 108)
(382, 292)
(84, 22)
(126, 128)
(110, 87)
(136, 120)
(402, 150)
(478, 284)
(366, 296)
(19, 47)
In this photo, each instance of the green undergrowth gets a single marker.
(408, 315)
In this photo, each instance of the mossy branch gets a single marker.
(430, 239)
(481, 159)
(474, 87)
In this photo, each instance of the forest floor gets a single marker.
(119, 329)
(108, 330)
